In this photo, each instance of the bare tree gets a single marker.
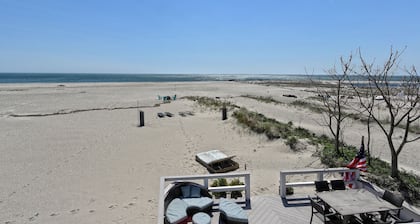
(401, 101)
(364, 95)
(333, 101)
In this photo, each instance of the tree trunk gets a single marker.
(394, 165)
(368, 141)
(337, 139)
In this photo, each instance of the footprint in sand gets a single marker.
(33, 217)
(74, 211)
(130, 205)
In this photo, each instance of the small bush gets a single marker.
(223, 182)
(289, 190)
(235, 194)
(217, 183)
(292, 142)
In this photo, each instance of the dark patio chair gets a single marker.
(338, 185)
(397, 201)
(321, 186)
(322, 213)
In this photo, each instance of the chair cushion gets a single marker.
(186, 191)
(195, 192)
(321, 186)
(176, 211)
(201, 218)
(233, 211)
(201, 203)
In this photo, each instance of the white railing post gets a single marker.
(161, 201)
(206, 183)
(357, 183)
(248, 190)
(320, 176)
(282, 184)
(357, 174)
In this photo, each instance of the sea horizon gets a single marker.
(55, 77)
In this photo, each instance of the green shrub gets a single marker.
(289, 190)
(217, 183)
(223, 182)
(235, 194)
(292, 142)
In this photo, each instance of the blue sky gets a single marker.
(197, 36)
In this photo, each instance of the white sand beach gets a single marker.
(74, 153)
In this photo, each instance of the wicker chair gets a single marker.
(322, 213)
(192, 207)
(397, 201)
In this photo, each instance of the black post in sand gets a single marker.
(141, 114)
(224, 113)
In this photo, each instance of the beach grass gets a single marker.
(212, 103)
(264, 99)
(260, 124)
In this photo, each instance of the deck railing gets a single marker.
(320, 176)
(204, 180)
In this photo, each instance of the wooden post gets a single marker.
(224, 113)
(141, 114)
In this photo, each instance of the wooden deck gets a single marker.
(270, 209)
(267, 209)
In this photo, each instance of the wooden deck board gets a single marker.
(269, 209)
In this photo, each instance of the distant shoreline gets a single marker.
(131, 78)
(108, 77)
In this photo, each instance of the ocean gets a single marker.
(103, 77)
(98, 77)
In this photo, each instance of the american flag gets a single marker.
(359, 162)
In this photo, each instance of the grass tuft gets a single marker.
(215, 104)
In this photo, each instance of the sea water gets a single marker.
(103, 77)
(98, 77)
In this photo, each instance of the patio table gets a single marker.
(354, 201)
